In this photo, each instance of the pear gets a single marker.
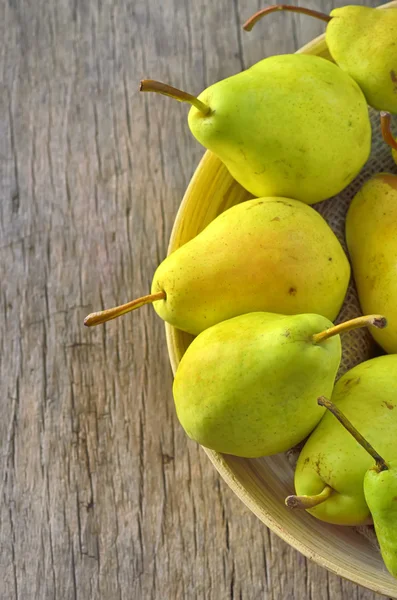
(248, 386)
(331, 467)
(362, 41)
(385, 118)
(380, 490)
(291, 125)
(267, 254)
(371, 226)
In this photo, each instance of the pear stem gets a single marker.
(248, 25)
(304, 502)
(385, 123)
(380, 462)
(102, 316)
(150, 85)
(374, 320)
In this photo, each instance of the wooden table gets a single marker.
(103, 496)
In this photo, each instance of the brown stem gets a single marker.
(304, 502)
(248, 25)
(374, 320)
(385, 123)
(97, 318)
(380, 462)
(150, 85)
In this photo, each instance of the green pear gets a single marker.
(362, 41)
(371, 226)
(331, 467)
(385, 118)
(267, 254)
(248, 386)
(380, 489)
(291, 125)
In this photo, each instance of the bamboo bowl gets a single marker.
(263, 483)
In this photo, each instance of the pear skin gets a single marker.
(248, 386)
(270, 254)
(270, 125)
(367, 395)
(362, 41)
(380, 490)
(387, 134)
(371, 226)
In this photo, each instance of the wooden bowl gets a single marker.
(262, 484)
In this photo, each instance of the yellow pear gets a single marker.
(293, 125)
(331, 468)
(249, 385)
(267, 254)
(371, 235)
(362, 41)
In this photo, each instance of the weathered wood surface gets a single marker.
(102, 495)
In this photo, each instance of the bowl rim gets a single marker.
(319, 47)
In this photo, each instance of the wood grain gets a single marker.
(102, 495)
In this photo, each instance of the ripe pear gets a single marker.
(331, 467)
(371, 226)
(267, 254)
(385, 118)
(248, 386)
(291, 125)
(380, 490)
(362, 41)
